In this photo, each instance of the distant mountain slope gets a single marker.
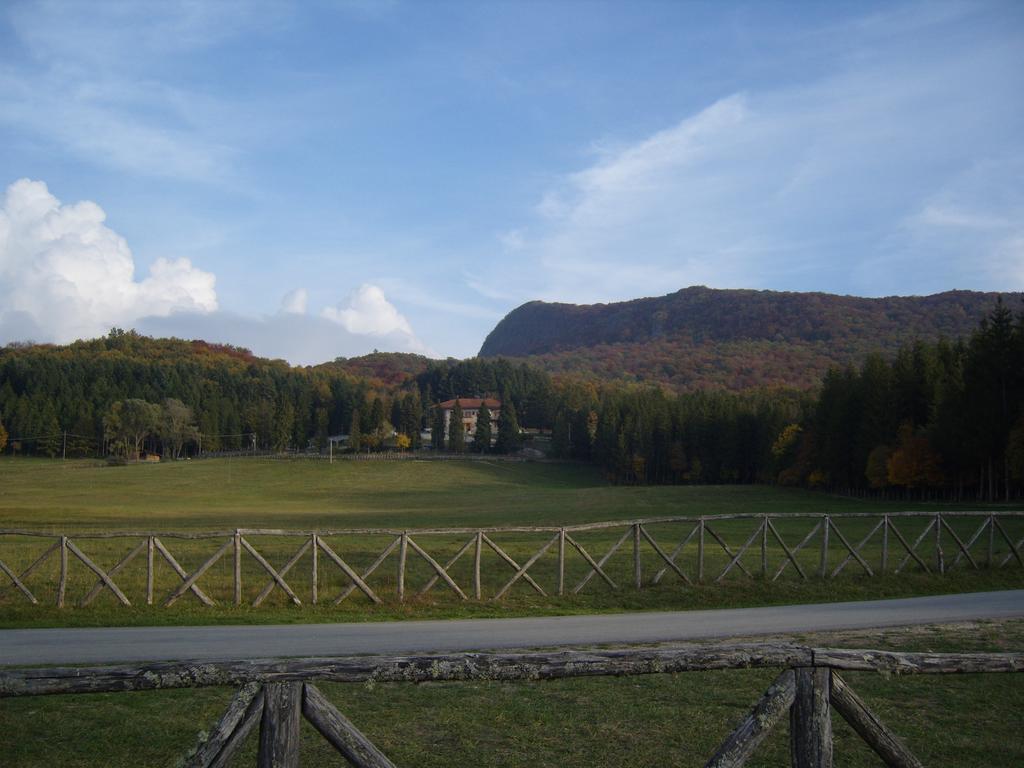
(732, 339)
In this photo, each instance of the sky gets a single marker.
(322, 179)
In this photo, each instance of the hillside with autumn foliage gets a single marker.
(729, 339)
(384, 369)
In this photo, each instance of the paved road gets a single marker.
(85, 646)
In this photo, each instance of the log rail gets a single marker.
(989, 545)
(277, 693)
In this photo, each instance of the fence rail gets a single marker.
(278, 693)
(697, 552)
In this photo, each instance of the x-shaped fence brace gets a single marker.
(277, 708)
(804, 693)
(278, 693)
(316, 546)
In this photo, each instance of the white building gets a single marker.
(470, 411)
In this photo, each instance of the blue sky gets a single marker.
(325, 178)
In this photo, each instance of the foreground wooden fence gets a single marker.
(276, 694)
(896, 541)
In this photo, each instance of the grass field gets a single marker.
(950, 720)
(84, 496)
(677, 719)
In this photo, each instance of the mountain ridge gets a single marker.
(730, 338)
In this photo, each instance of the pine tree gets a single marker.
(437, 430)
(508, 428)
(414, 407)
(482, 436)
(376, 416)
(456, 430)
(355, 435)
(560, 447)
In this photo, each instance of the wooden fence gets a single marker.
(278, 693)
(983, 541)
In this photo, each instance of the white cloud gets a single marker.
(295, 302)
(65, 275)
(74, 277)
(838, 182)
(368, 312)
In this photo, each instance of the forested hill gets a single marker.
(389, 369)
(730, 339)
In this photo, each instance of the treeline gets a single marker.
(58, 399)
(234, 397)
(647, 436)
(940, 419)
(937, 419)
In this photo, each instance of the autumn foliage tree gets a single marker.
(913, 464)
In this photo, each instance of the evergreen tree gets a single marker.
(376, 416)
(508, 428)
(456, 430)
(413, 414)
(355, 434)
(284, 423)
(560, 436)
(398, 415)
(482, 436)
(321, 429)
(437, 430)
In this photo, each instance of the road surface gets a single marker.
(126, 644)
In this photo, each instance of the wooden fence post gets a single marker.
(149, 570)
(764, 547)
(700, 553)
(940, 561)
(314, 577)
(279, 727)
(478, 548)
(62, 584)
(238, 567)
(561, 562)
(637, 575)
(885, 543)
(991, 540)
(810, 719)
(823, 566)
(403, 550)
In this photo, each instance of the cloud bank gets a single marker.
(65, 275)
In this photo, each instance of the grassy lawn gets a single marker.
(82, 496)
(949, 720)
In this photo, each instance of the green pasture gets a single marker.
(53, 497)
(947, 720)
